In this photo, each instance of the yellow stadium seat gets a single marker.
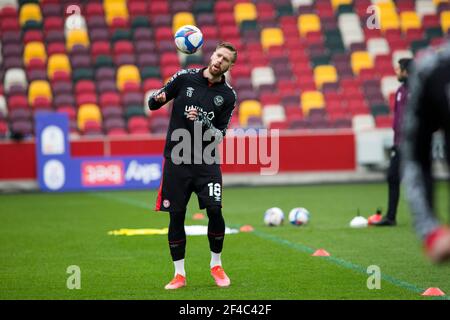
(308, 23)
(127, 73)
(110, 2)
(58, 62)
(115, 9)
(271, 37)
(324, 74)
(182, 18)
(86, 112)
(337, 3)
(77, 37)
(39, 88)
(389, 21)
(389, 18)
(312, 100)
(361, 60)
(445, 21)
(386, 5)
(249, 108)
(437, 2)
(34, 50)
(244, 11)
(30, 12)
(409, 20)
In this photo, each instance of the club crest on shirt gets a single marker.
(218, 100)
(189, 91)
(166, 203)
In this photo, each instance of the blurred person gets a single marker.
(203, 101)
(428, 111)
(393, 174)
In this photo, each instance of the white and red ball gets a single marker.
(188, 39)
(299, 216)
(273, 217)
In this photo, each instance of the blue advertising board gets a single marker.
(58, 171)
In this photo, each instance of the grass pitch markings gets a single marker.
(297, 246)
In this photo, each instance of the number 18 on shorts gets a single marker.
(180, 181)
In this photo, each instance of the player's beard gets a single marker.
(216, 73)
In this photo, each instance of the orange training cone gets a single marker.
(321, 253)
(433, 292)
(198, 216)
(246, 228)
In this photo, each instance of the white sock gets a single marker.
(215, 259)
(179, 267)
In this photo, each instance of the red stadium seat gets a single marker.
(94, 9)
(56, 47)
(117, 132)
(152, 83)
(384, 121)
(100, 48)
(109, 99)
(33, 35)
(137, 8)
(17, 101)
(84, 86)
(86, 98)
(158, 8)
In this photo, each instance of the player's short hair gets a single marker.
(405, 64)
(230, 47)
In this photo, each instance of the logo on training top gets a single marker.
(218, 100)
(189, 91)
(166, 203)
(210, 114)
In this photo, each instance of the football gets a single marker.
(299, 216)
(273, 217)
(188, 39)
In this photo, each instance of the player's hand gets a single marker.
(192, 114)
(160, 97)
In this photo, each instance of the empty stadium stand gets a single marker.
(302, 64)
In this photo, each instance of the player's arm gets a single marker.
(418, 129)
(166, 93)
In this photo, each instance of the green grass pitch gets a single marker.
(42, 234)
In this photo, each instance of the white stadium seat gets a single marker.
(74, 22)
(9, 3)
(262, 75)
(378, 46)
(15, 76)
(363, 122)
(3, 108)
(424, 7)
(350, 27)
(297, 3)
(389, 84)
(399, 54)
(271, 113)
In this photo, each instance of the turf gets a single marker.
(42, 234)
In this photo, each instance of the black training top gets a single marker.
(190, 89)
(428, 110)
